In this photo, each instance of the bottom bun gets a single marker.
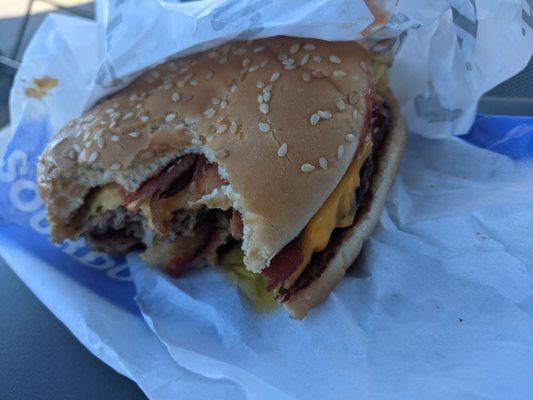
(353, 237)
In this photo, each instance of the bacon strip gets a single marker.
(176, 268)
(236, 225)
(206, 177)
(164, 180)
(156, 216)
(283, 264)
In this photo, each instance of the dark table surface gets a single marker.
(41, 359)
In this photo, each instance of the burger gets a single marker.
(282, 148)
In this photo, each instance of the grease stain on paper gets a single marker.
(41, 87)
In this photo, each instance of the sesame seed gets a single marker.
(233, 88)
(240, 51)
(307, 167)
(188, 77)
(110, 110)
(209, 75)
(354, 114)
(221, 117)
(233, 127)
(170, 117)
(92, 158)
(290, 67)
(223, 104)
(88, 144)
(309, 47)
(222, 153)
(181, 83)
(176, 97)
(187, 97)
(260, 99)
(274, 77)
(350, 138)
(225, 96)
(127, 116)
(133, 97)
(317, 74)
(323, 163)
(324, 114)
(215, 101)
(282, 57)
(264, 108)
(115, 166)
(167, 85)
(246, 62)
(72, 155)
(253, 68)
(340, 152)
(98, 134)
(334, 59)
(288, 61)
(138, 105)
(115, 138)
(101, 143)
(304, 59)
(376, 130)
(314, 119)
(222, 128)
(82, 156)
(209, 138)
(77, 147)
(282, 150)
(266, 96)
(259, 49)
(209, 112)
(263, 63)
(362, 65)
(317, 59)
(306, 77)
(264, 127)
(339, 73)
(260, 84)
(352, 98)
(113, 124)
(196, 142)
(267, 88)
(135, 134)
(295, 48)
(223, 60)
(339, 102)
(193, 82)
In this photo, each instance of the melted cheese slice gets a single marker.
(337, 212)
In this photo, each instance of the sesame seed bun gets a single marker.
(349, 241)
(273, 114)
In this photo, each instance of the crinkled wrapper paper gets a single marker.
(438, 306)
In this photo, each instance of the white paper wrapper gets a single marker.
(439, 305)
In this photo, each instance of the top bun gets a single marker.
(274, 114)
